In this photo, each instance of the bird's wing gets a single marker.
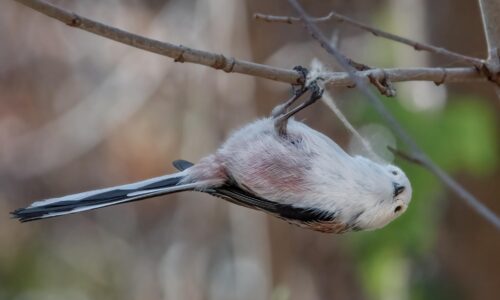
(242, 197)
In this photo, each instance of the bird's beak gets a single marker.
(398, 189)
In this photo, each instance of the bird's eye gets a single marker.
(394, 173)
(398, 208)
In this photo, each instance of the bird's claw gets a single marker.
(281, 114)
(316, 90)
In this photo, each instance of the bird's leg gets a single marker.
(282, 108)
(316, 93)
(281, 120)
(297, 89)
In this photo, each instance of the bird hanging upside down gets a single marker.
(276, 165)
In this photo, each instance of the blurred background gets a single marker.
(80, 112)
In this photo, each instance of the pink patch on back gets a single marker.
(281, 175)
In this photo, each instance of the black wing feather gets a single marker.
(182, 165)
(239, 196)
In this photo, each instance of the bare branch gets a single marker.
(288, 19)
(472, 201)
(218, 61)
(490, 13)
(178, 53)
(437, 75)
(478, 63)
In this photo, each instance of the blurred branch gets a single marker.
(406, 156)
(88, 122)
(452, 184)
(490, 13)
(97, 114)
(219, 61)
(377, 32)
(417, 153)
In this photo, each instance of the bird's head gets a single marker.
(402, 191)
(391, 199)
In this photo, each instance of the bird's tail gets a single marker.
(104, 197)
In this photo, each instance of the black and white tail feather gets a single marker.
(106, 197)
(156, 187)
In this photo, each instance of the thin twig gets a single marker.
(406, 156)
(490, 14)
(291, 20)
(330, 102)
(478, 63)
(217, 61)
(288, 19)
(472, 201)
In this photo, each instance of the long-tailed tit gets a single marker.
(276, 165)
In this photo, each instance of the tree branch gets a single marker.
(417, 153)
(437, 75)
(218, 61)
(405, 156)
(490, 13)
(178, 53)
(478, 63)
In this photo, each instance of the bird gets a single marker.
(276, 165)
